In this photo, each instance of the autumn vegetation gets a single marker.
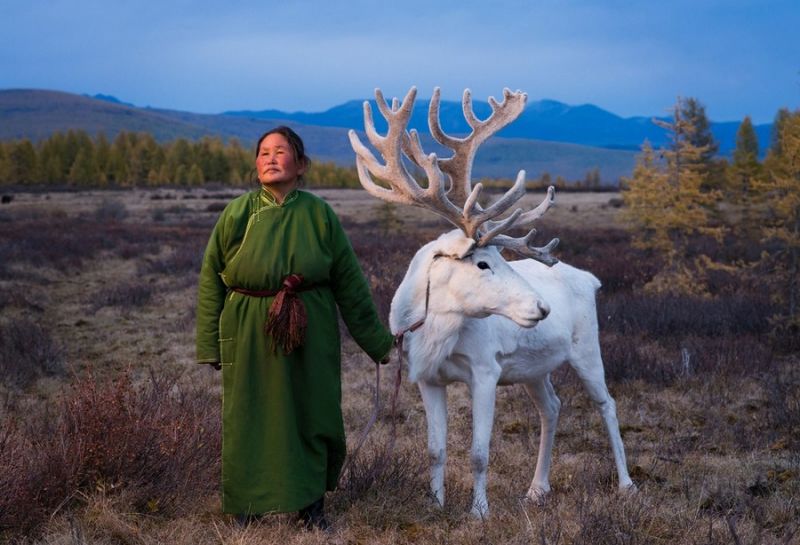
(109, 433)
(703, 217)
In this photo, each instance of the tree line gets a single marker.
(136, 159)
(704, 217)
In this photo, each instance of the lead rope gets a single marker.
(376, 408)
(398, 343)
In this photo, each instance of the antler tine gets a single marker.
(499, 227)
(433, 120)
(459, 166)
(523, 247)
(475, 216)
(525, 221)
(403, 187)
(509, 198)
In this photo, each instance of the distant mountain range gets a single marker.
(548, 137)
(548, 120)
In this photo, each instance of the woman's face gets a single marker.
(276, 163)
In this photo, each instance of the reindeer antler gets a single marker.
(465, 212)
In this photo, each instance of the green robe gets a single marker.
(283, 436)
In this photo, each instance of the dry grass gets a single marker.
(712, 444)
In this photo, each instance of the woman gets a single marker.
(277, 266)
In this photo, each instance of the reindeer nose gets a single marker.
(544, 308)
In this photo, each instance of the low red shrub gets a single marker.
(159, 442)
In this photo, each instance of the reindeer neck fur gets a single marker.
(434, 341)
(432, 344)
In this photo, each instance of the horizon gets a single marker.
(420, 99)
(633, 59)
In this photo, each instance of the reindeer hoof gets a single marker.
(537, 496)
(479, 511)
(629, 489)
(436, 499)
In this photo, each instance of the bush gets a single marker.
(382, 472)
(184, 259)
(110, 210)
(125, 295)
(27, 352)
(783, 411)
(678, 316)
(157, 443)
(606, 253)
(66, 244)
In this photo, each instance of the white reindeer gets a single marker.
(467, 314)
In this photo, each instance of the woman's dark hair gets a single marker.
(294, 141)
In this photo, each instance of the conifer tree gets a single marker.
(592, 179)
(51, 168)
(163, 175)
(144, 155)
(668, 203)
(777, 129)
(240, 161)
(779, 188)
(179, 159)
(102, 157)
(645, 195)
(24, 162)
(5, 164)
(694, 112)
(742, 174)
(84, 171)
(181, 175)
(70, 147)
(698, 133)
(54, 167)
(211, 159)
(118, 170)
(195, 176)
(745, 164)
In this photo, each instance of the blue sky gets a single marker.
(738, 57)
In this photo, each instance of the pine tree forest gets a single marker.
(716, 225)
(136, 159)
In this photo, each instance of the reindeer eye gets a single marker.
(483, 265)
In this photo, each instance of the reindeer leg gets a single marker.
(549, 407)
(593, 378)
(483, 400)
(435, 400)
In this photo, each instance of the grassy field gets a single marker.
(109, 433)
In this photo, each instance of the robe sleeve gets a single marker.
(211, 292)
(354, 298)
